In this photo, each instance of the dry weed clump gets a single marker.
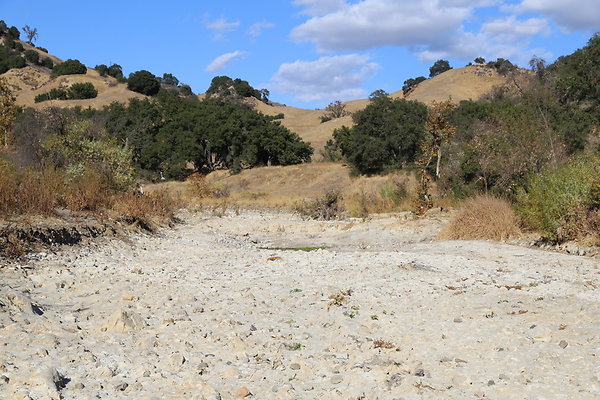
(394, 194)
(27, 192)
(326, 207)
(159, 205)
(483, 217)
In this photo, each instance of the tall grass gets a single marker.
(483, 217)
(42, 191)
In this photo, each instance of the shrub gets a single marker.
(78, 151)
(45, 50)
(32, 56)
(564, 203)
(47, 62)
(483, 217)
(326, 207)
(102, 69)
(53, 94)
(143, 82)
(84, 90)
(69, 67)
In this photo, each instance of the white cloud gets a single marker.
(221, 26)
(222, 61)
(256, 29)
(571, 15)
(513, 28)
(374, 23)
(320, 7)
(328, 78)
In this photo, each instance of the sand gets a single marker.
(224, 307)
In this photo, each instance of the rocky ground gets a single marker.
(230, 307)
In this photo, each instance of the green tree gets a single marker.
(102, 69)
(411, 83)
(82, 90)
(13, 33)
(385, 135)
(32, 56)
(143, 82)
(116, 71)
(334, 110)
(169, 79)
(479, 60)
(439, 67)
(69, 67)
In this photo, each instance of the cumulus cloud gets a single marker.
(432, 29)
(222, 61)
(374, 23)
(573, 16)
(221, 26)
(320, 7)
(256, 29)
(328, 78)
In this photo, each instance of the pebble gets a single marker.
(563, 344)
(336, 379)
(242, 392)
(295, 366)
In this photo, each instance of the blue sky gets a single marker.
(306, 52)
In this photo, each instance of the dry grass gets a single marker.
(41, 192)
(483, 217)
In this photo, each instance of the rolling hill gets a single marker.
(466, 83)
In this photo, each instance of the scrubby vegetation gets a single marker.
(69, 67)
(77, 91)
(334, 110)
(563, 203)
(235, 89)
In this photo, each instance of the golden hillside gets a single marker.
(466, 83)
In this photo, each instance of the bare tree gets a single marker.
(32, 34)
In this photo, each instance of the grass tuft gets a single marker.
(483, 217)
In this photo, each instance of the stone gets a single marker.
(563, 344)
(120, 387)
(460, 380)
(242, 392)
(122, 321)
(336, 379)
(177, 360)
(295, 366)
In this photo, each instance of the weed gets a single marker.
(374, 317)
(326, 207)
(295, 290)
(350, 314)
(383, 344)
(294, 346)
(339, 299)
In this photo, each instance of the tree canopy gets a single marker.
(385, 135)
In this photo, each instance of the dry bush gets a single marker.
(158, 205)
(391, 195)
(483, 217)
(88, 193)
(326, 207)
(202, 189)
